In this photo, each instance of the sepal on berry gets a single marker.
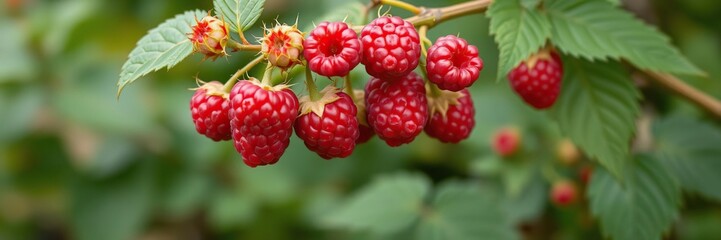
(328, 95)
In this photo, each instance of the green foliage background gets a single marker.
(77, 163)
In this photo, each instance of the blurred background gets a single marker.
(77, 163)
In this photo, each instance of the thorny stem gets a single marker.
(233, 79)
(403, 5)
(310, 84)
(243, 47)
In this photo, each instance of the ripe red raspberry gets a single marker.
(366, 132)
(564, 193)
(453, 64)
(391, 47)
(209, 37)
(507, 141)
(261, 120)
(538, 79)
(209, 108)
(452, 116)
(282, 46)
(332, 49)
(397, 109)
(328, 126)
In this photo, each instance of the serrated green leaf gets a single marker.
(597, 30)
(240, 14)
(462, 211)
(643, 207)
(597, 109)
(163, 47)
(519, 32)
(530, 3)
(389, 204)
(691, 150)
(351, 12)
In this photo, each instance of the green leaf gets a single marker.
(462, 211)
(644, 207)
(240, 14)
(597, 110)
(163, 47)
(691, 150)
(519, 32)
(389, 204)
(115, 208)
(597, 30)
(530, 3)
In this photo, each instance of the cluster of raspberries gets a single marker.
(396, 104)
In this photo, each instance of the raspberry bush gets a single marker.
(568, 120)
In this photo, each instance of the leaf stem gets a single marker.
(403, 5)
(243, 46)
(233, 79)
(310, 84)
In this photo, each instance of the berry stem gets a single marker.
(348, 87)
(403, 5)
(435, 91)
(268, 75)
(422, 33)
(310, 84)
(233, 79)
(243, 46)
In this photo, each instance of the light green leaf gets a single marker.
(691, 150)
(597, 30)
(163, 47)
(389, 204)
(530, 3)
(519, 32)
(462, 211)
(597, 109)
(240, 14)
(643, 207)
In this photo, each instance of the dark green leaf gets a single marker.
(597, 109)
(462, 211)
(389, 204)
(163, 47)
(643, 207)
(240, 14)
(519, 32)
(691, 150)
(597, 30)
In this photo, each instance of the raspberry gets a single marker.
(209, 37)
(538, 79)
(328, 126)
(452, 116)
(563, 193)
(366, 132)
(209, 108)
(282, 46)
(391, 47)
(397, 109)
(506, 141)
(453, 64)
(261, 120)
(585, 174)
(332, 49)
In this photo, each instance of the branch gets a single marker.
(681, 88)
